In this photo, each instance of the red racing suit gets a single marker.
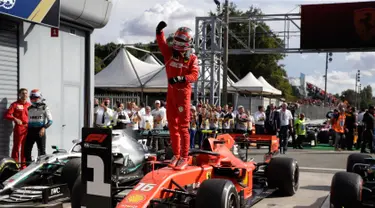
(19, 110)
(178, 96)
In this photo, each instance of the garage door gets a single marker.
(8, 78)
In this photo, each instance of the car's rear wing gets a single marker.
(97, 167)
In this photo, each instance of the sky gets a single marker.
(135, 21)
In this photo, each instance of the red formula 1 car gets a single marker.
(214, 178)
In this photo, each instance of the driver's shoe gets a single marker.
(174, 161)
(182, 163)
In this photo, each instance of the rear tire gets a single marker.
(353, 159)
(346, 190)
(70, 172)
(283, 173)
(218, 193)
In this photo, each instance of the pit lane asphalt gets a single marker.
(317, 169)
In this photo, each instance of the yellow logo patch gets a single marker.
(135, 198)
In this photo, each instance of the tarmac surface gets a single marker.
(317, 168)
(316, 171)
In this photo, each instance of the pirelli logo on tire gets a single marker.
(208, 175)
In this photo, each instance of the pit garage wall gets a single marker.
(56, 66)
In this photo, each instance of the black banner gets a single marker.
(338, 26)
(97, 166)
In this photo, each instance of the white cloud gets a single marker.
(365, 62)
(353, 57)
(367, 73)
(337, 81)
(175, 14)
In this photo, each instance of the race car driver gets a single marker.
(182, 69)
(18, 113)
(40, 119)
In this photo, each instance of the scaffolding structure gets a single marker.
(209, 47)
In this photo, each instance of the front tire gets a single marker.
(353, 159)
(71, 171)
(346, 190)
(77, 196)
(218, 193)
(8, 167)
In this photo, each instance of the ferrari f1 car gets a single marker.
(214, 178)
(355, 187)
(49, 180)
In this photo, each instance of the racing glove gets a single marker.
(160, 27)
(178, 79)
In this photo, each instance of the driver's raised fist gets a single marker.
(160, 27)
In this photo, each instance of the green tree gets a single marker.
(348, 95)
(265, 65)
(99, 65)
(366, 97)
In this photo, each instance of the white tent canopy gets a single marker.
(266, 84)
(125, 71)
(250, 84)
(151, 60)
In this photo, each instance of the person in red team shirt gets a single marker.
(18, 112)
(182, 70)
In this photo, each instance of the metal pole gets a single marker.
(325, 80)
(356, 90)
(225, 62)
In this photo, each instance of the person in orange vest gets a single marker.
(338, 126)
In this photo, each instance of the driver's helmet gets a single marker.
(183, 39)
(36, 96)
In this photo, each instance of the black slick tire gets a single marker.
(355, 158)
(283, 173)
(77, 197)
(346, 190)
(218, 193)
(70, 172)
(8, 167)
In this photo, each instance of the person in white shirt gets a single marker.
(121, 117)
(159, 116)
(103, 115)
(286, 124)
(250, 122)
(142, 109)
(241, 120)
(135, 118)
(163, 106)
(259, 119)
(147, 120)
(226, 117)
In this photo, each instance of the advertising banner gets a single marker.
(45, 12)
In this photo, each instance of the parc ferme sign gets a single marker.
(45, 12)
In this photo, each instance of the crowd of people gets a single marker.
(221, 119)
(352, 129)
(31, 119)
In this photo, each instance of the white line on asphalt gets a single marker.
(323, 169)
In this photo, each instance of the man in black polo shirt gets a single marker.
(350, 124)
(368, 134)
